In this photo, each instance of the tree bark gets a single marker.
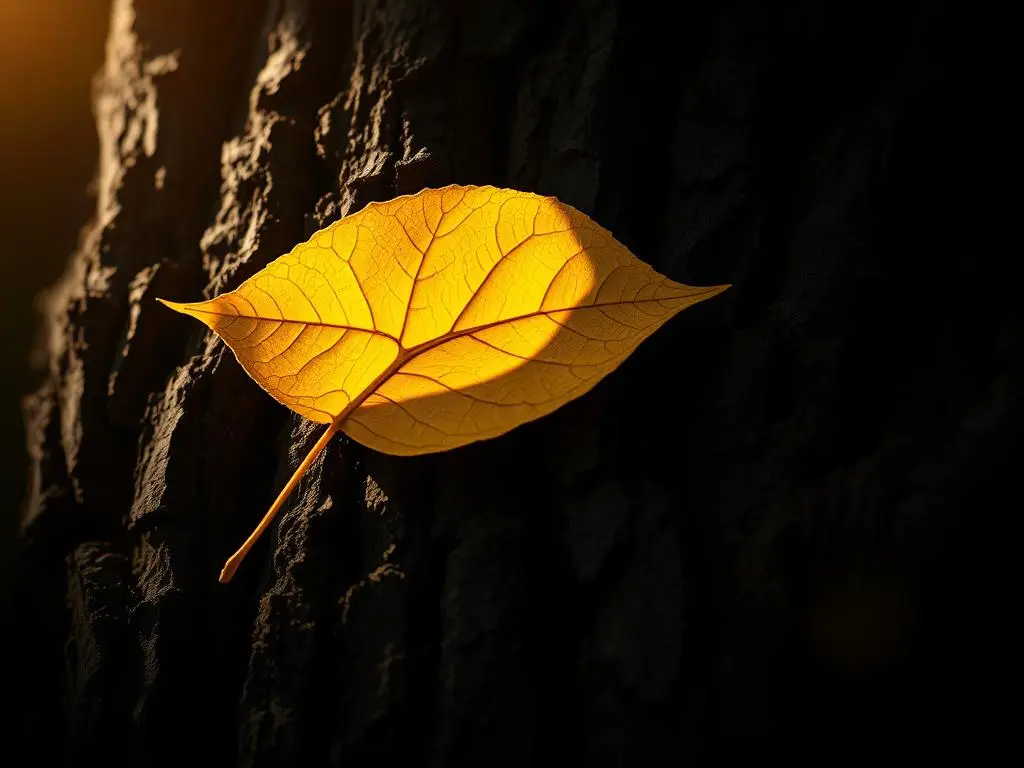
(775, 532)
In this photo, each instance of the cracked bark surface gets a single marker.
(776, 529)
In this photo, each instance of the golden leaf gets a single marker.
(439, 319)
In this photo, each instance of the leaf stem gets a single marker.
(236, 559)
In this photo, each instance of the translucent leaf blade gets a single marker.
(445, 317)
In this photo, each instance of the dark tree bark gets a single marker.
(777, 532)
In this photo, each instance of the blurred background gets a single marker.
(49, 51)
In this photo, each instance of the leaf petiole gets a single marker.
(236, 559)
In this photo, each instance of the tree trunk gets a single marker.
(775, 532)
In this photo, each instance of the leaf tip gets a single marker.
(190, 309)
(697, 295)
(714, 290)
(173, 305)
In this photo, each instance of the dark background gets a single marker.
(798, 550)
(49, 52)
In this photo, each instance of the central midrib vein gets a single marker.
(409, 353)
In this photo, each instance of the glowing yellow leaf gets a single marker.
(441, 318)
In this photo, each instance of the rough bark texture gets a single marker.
(775, 532)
